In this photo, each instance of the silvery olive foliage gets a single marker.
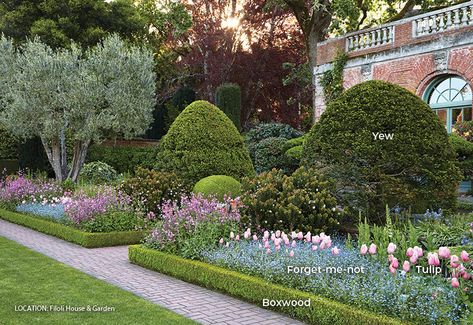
(105, 91)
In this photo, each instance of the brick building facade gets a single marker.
(430, 55)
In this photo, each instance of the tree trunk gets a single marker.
(78, 158)
(56, 153)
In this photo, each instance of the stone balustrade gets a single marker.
(370, 38)
(443, 20)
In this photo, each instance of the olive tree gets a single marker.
(81, 96)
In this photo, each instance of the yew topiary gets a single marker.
(201, 142)
(218, 186)
(415, 169)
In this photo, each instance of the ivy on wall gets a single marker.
(332, 80)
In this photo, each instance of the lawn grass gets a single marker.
(30, 278)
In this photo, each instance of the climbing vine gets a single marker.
(332, 80)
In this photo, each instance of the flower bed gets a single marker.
(85, 239)
(90, 216)
(253, 289)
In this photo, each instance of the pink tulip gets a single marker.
(232, 235)
(227, 244)
(278, 248)
(455, 283)
(419, 251)
(300, 235)
(395, 263)
(406, 266)
(413, 258)
(246, 235)
(465, 276)
(335, 251)
(392, 269)
(444, 252)
(322, 235)
(391, 248)
(465, 256)
(221, 241)
(286, 241)
(410, 252)
(372, 249)
(278, 233)
(308, 237)
(294, 244)
(314, 247)
(273, 237)
(237, 238)
(454, 261)
(291, 254)
(268, 251)
(255, 238)
(363, 249)
(266, 244)
(277, 241)
(322, 245)
(433, 259)
(266, 235)
(316, 239)
(293, 235)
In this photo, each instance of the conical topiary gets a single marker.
(201, 142)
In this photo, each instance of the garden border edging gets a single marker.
(82, 238)
(254, 289)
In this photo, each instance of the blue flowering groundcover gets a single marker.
(423, 299)
(55, 211)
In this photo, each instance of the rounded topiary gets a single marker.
(269, 154)
(98, 172)
(416, 168)
(218, 186)
(201, 142)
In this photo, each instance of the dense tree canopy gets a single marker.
(53, 93)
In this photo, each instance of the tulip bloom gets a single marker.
(308, 237)
(237, 238)
(278, 233)
(455, 283)
(266, 235)
(221, 241)
(255, 237)
(406, 266)
(454, 261)
(294, 244)
(413, 258)
(300, 235)
(372, 249)
(335, 251)
(316, 239)
(444, 252)
(391, 248)
(363, 249)
(395, 263)
(419, 251)
(392, 269)
(433, 259)
(465, 256)
(410, 252)
(314, 247)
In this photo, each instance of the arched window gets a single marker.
(451, 99)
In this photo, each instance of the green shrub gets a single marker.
(201, 142)
(218, 186)
(416, 168)
(228, 99)
(464, 152)
(293, 153)
(98, 172)
(268, 130)
(149, 188)
(302, 201)
(85, 239)
(322, 311)
(269, 154)
(113, 221)
(8, 146)
(123, 159)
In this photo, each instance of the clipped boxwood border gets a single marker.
(254, 289)
(82, 238)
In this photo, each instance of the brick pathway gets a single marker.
(111, 265)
